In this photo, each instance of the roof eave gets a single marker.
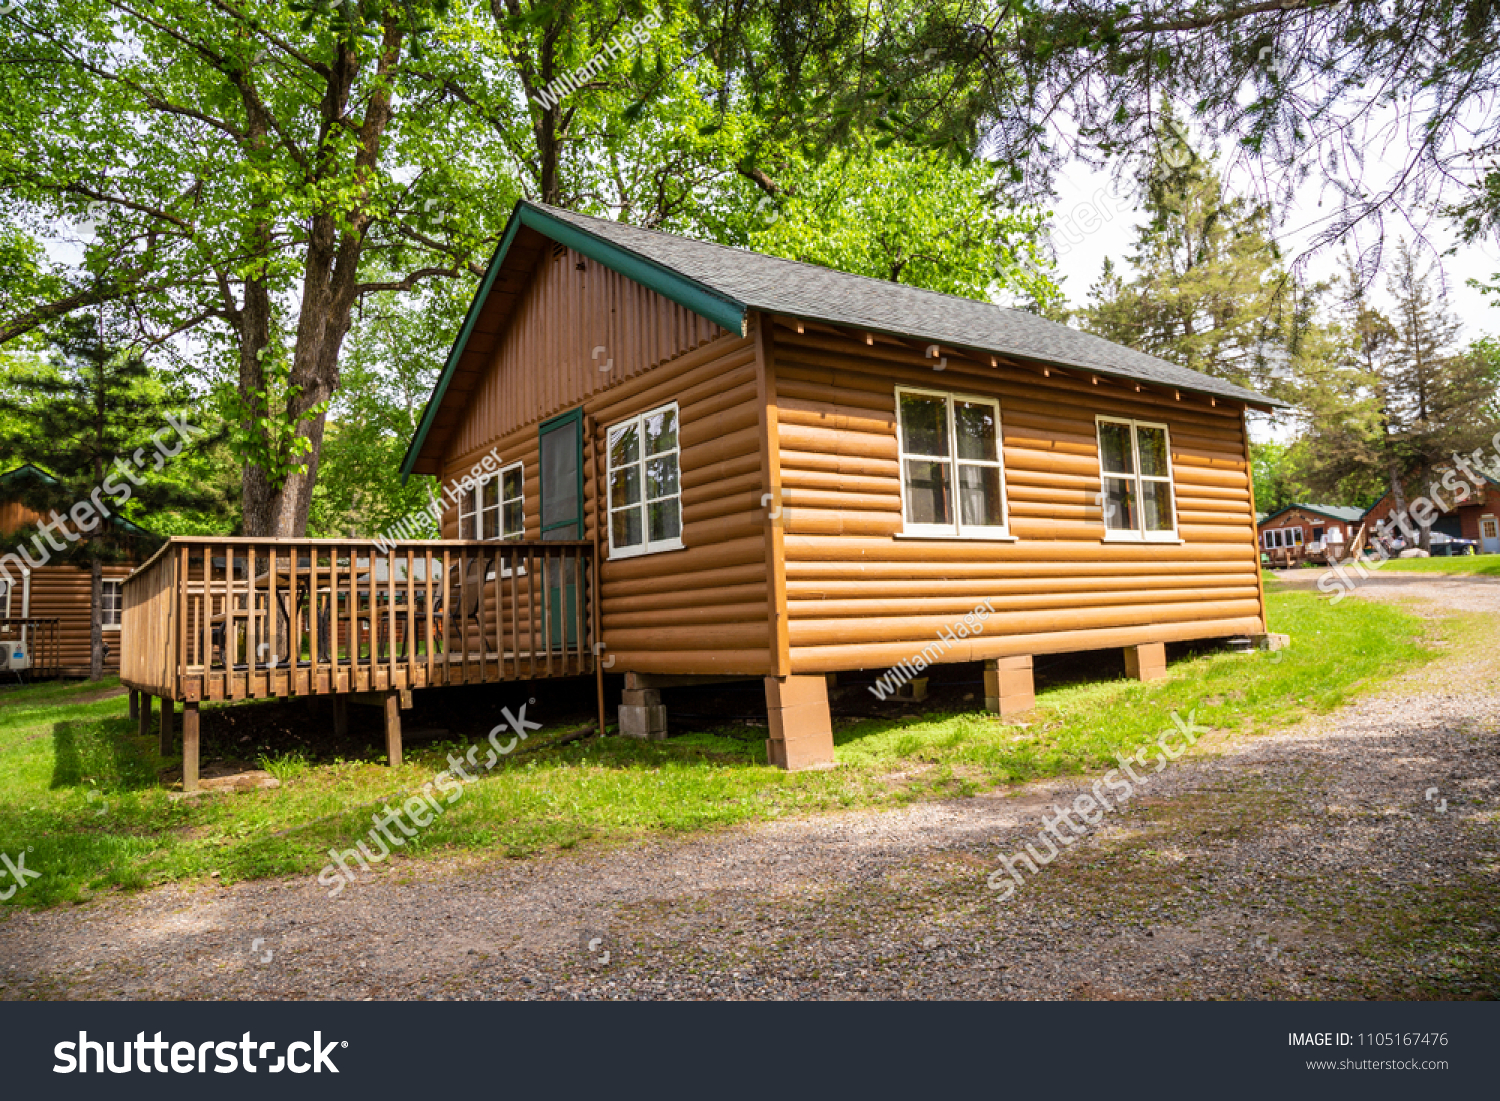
(1248, 398)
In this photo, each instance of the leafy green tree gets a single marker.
(907, 216)
(1276, 470)
(101, 428)
(236, 174)
(393, 359)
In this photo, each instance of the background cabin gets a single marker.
(1477, 519)
(789, 471)
(57, 594)
(1318, 533)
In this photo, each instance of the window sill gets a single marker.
(642, 552)
(109, 626)
(956, 537)
(1135, 537)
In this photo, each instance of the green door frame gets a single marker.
(573, 416)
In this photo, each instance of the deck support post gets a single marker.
(341, 715)
(135, 703)
(1148, 661)
(393, 728)
(190, 745)
(801, 726)
(642, 714)
(168, 712)
(1009, 685)
(143, 716)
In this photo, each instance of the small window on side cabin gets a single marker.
(645, 487)
(496, 508)
(113, 605)
(1135, 469)
(952, 482)
(513, 502)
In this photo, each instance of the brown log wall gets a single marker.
(64, 592)
(857, 597)
(706, 608)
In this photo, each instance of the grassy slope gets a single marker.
(55, 753)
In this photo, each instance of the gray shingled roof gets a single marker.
(789, 287)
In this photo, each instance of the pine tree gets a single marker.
(1209, 291)
(95, 428)
(1432, 398)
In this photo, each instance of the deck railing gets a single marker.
(235, 618)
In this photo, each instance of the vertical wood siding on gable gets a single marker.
(860, 599)
(545, 364)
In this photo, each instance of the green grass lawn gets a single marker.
(80, 792)
(1471, 565)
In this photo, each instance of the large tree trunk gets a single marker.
(96, 618)
(330, 288)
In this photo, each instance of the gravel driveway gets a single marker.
(1318, 862)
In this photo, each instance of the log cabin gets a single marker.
(1475, 517)
(788, 471)
(1295, 533)
(49, 606)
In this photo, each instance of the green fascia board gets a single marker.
(1316, 512)
(687, 293)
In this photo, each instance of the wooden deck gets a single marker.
(210, 619)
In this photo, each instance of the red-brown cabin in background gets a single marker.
(1318, 533)
(45, 609)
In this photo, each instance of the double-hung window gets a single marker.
(113, 606)
(952, 482)
(1135, 466)
(496, 508)
(645, 485)
(1280, 538)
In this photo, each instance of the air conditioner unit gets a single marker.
(13, 656)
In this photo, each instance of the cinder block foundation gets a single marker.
(801, 728)
(1147, 661)
(1009, 685)
(642, 714)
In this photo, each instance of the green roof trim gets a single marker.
(1344, 514)
(688, 293)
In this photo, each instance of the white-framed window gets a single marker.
(112, 605)
(513, 501)
(952, 477)
(1280, 538)
(645, 484)
(468, 514)
(1135, 468)
(496, 508)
